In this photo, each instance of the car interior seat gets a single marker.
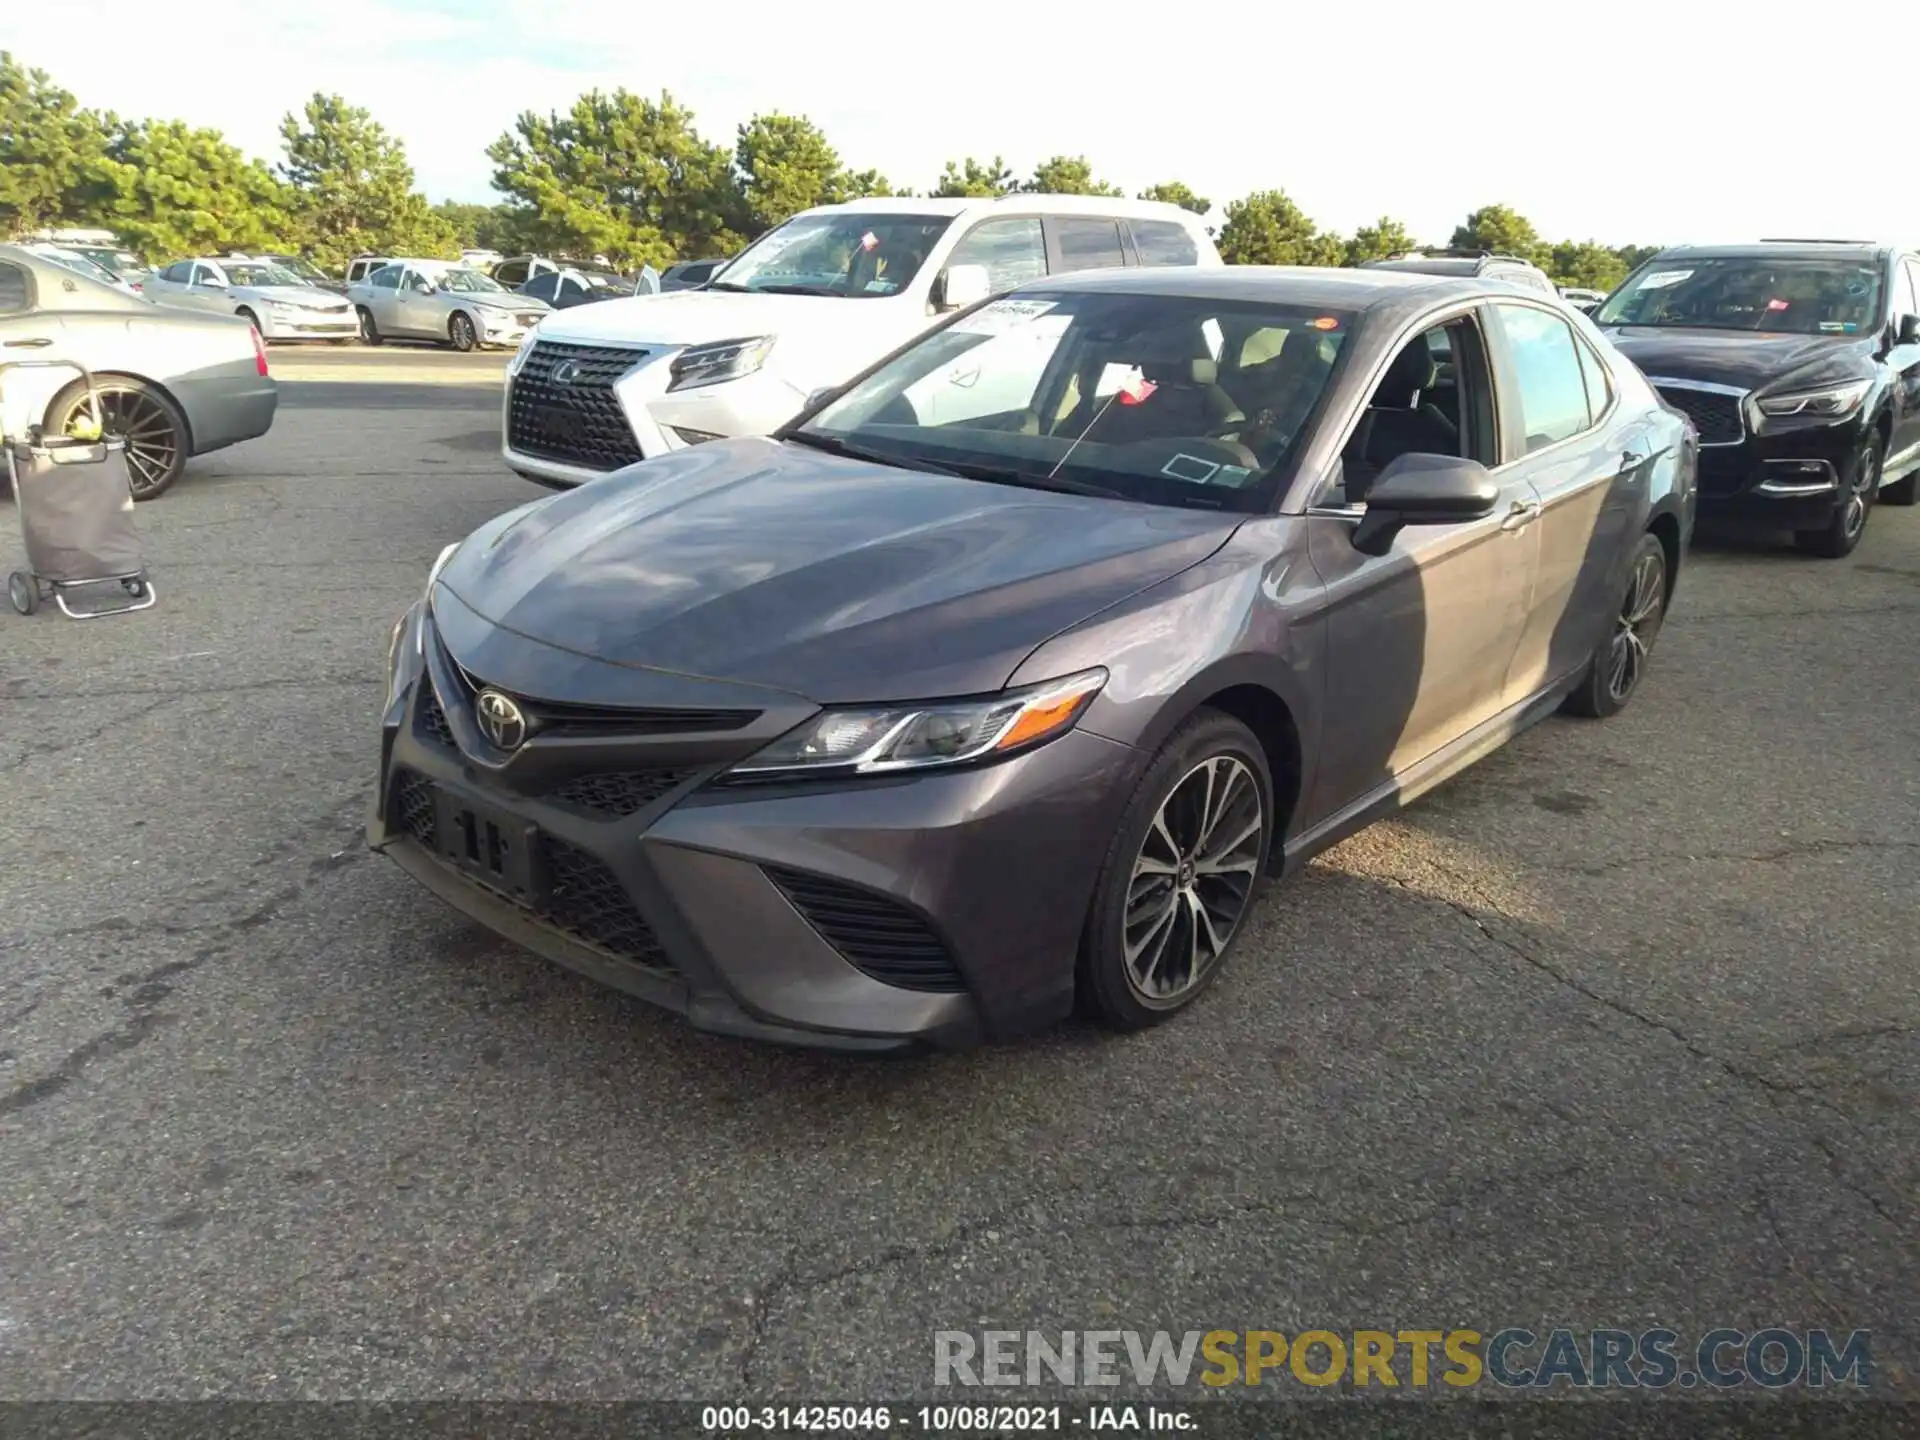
(1404, 418)
(1186, 400)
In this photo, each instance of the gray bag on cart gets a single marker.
(76, 509)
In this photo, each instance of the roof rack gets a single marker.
(1449, 252)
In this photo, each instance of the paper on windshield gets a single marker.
(1660, 279)
(1003, 315)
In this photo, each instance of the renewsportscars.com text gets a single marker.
(1512, 1358)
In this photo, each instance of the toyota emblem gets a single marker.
(501, 720)
(566, 372)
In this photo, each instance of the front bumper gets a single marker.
(771, 911)
(620, 411)
(309, 325)
(1789, 481)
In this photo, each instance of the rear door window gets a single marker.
(1087, 243)
(1546, 374)
(387, 277)
(1014, 250)
(16, 290)
(1164, 242)
(542, 288)
(511, 273)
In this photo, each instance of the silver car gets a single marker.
(173, 382)
(439, 300)
(269, 297)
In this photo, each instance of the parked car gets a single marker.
(309, 272)
(1000, 676)
(1481, 264)
(517, 271)
(567, 287)
(361, 266)
(689, 273)
(173, 382)
(269, 297)
(122, 263)
(1799, 362)
(437, 300)
(73, 260)
(1583, 300)
(482, 260)
(808, 304)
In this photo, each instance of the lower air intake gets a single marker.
(878, 936)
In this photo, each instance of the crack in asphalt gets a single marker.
(181, 692)
(1797, 850)
(69, 742)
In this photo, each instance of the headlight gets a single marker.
(1830, 402)
(520, 355)
(284, 307)
(439, 565)
(710, 364)
(869, 740)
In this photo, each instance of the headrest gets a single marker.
(1205, 372)
(1412, 370)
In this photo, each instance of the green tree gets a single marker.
(1634, 256)
(185, 191)
(54, 166)
(971, 179)
(355, 187)
(622, 176)
(785, 166)
(1382, 240)
(1067, 175)
(1585, 263)
(1267, 228)
(1501, 230)
(1172, 192)
(861, 183)
(479, 227)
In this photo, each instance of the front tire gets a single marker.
(369, 331)
(1615, 670)
(461, 334)
(1180, 876)
(1842, 534)
(150, 423)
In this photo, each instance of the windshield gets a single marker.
(469, 282)
(81, 265)
(853, 255)
(1163, 399)
(305, 269)
(259, 274)
(120, 262)
(1794, 295)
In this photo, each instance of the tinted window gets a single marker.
(178, 273)
(1089, 244)
(15, 293)
(702, 272)
(542, 288)
(1547, 376)
(511, 272)
(1164, 242)
(569, 288)
(1014, 252)
(1780, 294)
(387, 277)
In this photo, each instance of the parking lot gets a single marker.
(1617, 1029)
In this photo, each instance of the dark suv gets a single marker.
(1474, 264)
(1799, 364)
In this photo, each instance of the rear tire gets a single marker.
(1857, 493)
(1180, 876)
(369, 331)
(152, 425)
(1620, 660)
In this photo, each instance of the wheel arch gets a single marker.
(186, 416)
(1665, 528)
(460, 312)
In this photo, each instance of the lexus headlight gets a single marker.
(710, 364)
(1828, 403)
(868, 740)
(520, 355)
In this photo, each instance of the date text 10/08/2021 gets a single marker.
(948, 1419)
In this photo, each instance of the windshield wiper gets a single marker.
(725, 285)
(790, 289)
(993, 474)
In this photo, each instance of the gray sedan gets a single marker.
(174, 383)
(438, 300)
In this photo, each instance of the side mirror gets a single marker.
(1424, 490)
(424, 287)
(209, 283)
(1909, 332)
(964, 285)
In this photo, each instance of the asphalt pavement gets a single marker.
(1617, 1029)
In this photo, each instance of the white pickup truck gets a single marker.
(808, 305)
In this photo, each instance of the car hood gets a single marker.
(1739, 357)
(771, 564)
(694, 317)
(510, 300)
(292, 295)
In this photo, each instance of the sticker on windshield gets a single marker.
(869, 240)
(1191, 468)
(1002, 316)
(1660, 279)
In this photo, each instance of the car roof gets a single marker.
(1018, 203)
(1353, 289)
(1781, 249)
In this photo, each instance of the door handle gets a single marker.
(37, 343)
(1633, 459)
(1523, 514)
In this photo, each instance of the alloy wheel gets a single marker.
(1639, 621)
(153, 439)
(1866, 479)
(1193, 879)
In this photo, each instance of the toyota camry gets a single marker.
(1000, 678)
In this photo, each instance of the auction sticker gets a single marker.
(1002, 316)
(1660, 279)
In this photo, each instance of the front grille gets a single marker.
(589, 902)
(579, 422)
(1715, 415)
(550, 718)
(413, 807)
(585, 899)
(433, 720)
(878, 936)
(622, 793)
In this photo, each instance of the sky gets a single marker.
(1623, 122)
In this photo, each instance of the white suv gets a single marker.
(808, 305)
